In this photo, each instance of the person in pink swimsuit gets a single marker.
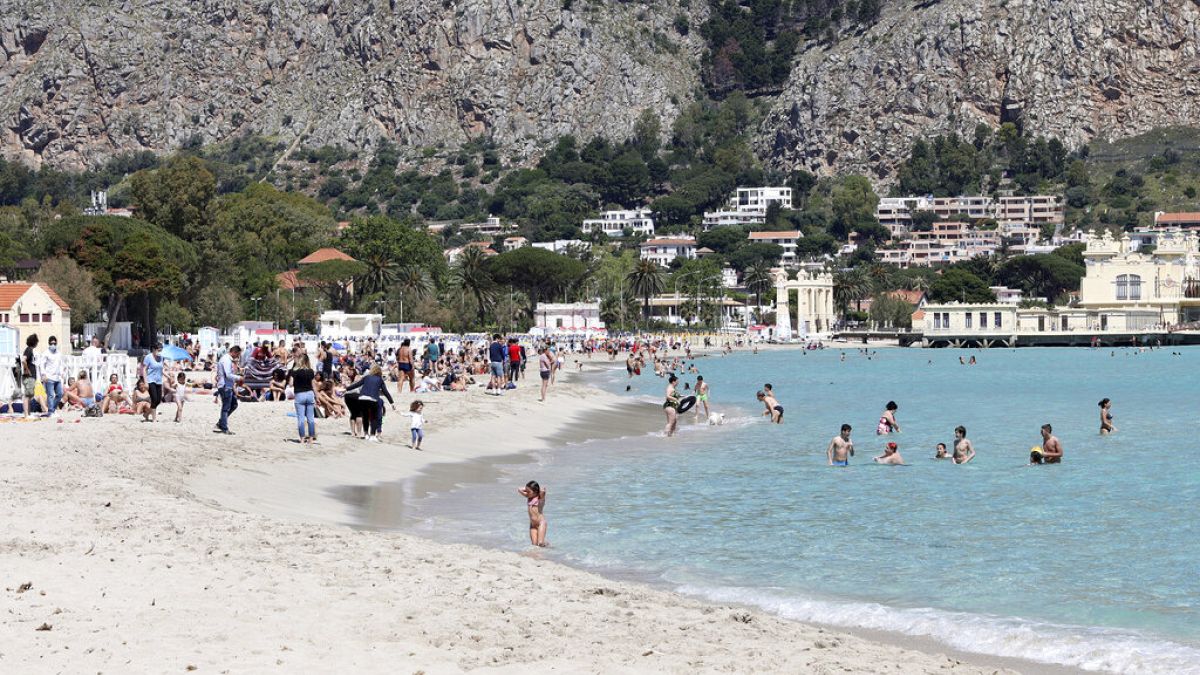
(535, 501)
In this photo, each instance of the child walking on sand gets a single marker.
(535, 501)
(181, 395)
(418, 423)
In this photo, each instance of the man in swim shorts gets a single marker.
(773, 409)
(701, 395)
(841, 448)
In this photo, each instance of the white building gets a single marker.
(664, 251)
(729, 277)
(895, 213)
(336, 325)
(786, 240)
(570, 317)
(748, 206)
(1007, 296)
(561, 245)
(514, 243)
(615, 223)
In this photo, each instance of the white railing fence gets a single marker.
(98, 368)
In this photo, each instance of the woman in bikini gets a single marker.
(141, 400)
(1106, 425)
(887, 421)
(535, 502)
(115, 396)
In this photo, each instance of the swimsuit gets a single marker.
(884, 427)
(779, 409)
(841, 462)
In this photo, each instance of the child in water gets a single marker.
(535, 502)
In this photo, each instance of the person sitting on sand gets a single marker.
(1106, 425)
(535, 502)
(1052, 450)
(278, 386)
(141, 400)
(941, 452)
(963, 450)
(891, 455)
(841, 448)
(81, 394)
(115, 397)
(773, 409)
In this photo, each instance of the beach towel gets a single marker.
(258, 372)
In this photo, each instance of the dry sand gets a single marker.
(139, 556)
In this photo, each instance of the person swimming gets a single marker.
(1106, 425)
(891, 455)
(887, 421)
(841, 448)
(941, 452)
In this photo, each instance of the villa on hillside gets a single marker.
(665, 250)
(615, 223)
(786, 240)
(748, 206)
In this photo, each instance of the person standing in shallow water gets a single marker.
(963, 450)
(1052, 450)
(841, 448)
(535, 503)
(671, 406)
(887, 421)
(1106, 425)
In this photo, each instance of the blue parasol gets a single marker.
(173, 353)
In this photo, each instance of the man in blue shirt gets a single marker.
(496, 358)
(225, 381)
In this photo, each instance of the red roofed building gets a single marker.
(35, 309)
(291, 281)
(666, 249)
(1185, 220)
(323, 255)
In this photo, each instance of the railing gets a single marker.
(98, 368)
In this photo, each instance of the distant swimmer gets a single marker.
(773, 409)
(1052, 450)
(702, 395)
(841, 448)
(963, 450)
(891, 455)
(940, 452)
(887, 421)
(1106, 425)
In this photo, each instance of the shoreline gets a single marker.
(133, 569)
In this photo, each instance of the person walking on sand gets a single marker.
(841, 448)
(305, 400)
(417, 424)
(702, 396)
(963, 450)
(153, 372)
(225, 382)
(545, 366)
(671, 406)
(1052, 450)
(1106, 425)
(52, 371)
(535, 503)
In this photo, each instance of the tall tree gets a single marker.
(470, 273)
(758, 279)
(176, 196)
(75, 285)
(646, 280)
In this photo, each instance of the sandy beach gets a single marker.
(133, 547)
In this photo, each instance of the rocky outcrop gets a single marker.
(83, 81)
(1075, 69)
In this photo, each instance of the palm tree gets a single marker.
(646, 280)
(758, 278)
(414, 284)
(851, 286)
(471, 275)
(380, 275)
(880, 276)
(918, 283)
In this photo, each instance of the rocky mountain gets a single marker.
(1074, 69)
(83, 81)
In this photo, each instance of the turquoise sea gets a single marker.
(1093, 563)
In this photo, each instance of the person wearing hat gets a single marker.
(891, 455)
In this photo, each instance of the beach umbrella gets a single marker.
(174, 353)
(338, 345)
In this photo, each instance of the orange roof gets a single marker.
(918, 315)
(1183, 217)
(290, 280)
(322, 255)
(670, 242)
(12, 292)
(793, 234)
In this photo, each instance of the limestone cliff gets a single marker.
(1075, 69)
(82, 81)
